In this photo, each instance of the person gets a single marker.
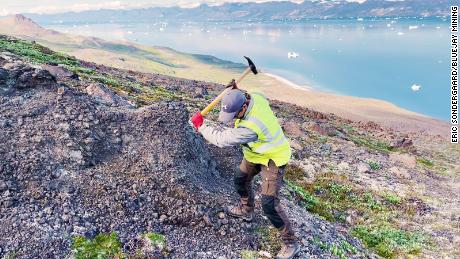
(265, 150)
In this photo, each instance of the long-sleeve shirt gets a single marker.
(224, 136)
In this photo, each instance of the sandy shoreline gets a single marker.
(289, 83)
(354, 108)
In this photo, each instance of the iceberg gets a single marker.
(416, 87)
(293, 55)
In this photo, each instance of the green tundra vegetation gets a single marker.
(102, 246)
(332, 196)
(37, 54)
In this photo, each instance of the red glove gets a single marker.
(197, 120)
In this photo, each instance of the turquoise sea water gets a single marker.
(380, 58)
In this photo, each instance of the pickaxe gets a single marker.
(251, 68)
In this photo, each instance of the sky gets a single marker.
(8, 7)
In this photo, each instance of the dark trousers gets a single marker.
(272, 179)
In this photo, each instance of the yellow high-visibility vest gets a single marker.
(271, 142)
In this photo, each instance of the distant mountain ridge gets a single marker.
(266, 11)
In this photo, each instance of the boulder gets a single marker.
(23, 77)
(59, 71)
(105, 95)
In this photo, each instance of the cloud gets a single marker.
(4, 12)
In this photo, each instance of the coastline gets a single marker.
(289, 83)
(185, 66)
(353, 108)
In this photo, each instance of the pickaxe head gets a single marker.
(251, 65)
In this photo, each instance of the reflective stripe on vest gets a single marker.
(271, 142)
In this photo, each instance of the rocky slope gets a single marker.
(79, 160)
(88, 149)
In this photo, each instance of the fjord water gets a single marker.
(381, 58)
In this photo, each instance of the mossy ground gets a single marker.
(425, 162)
(390, 242)
(270, 240)
(374, 165)
(157, 240)
(248, 254)
(371, 143)
(36, 53)
(342, 251)
(333, 197)
(135, 91)
(101, 246)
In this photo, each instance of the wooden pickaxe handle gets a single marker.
(210, 106)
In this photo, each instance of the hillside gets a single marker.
(166, 61)
(263, 11)
(121, 54)
(90, 150)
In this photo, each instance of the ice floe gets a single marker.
(416, 87)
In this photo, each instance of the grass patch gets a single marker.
(388, 241)
(102, 246)
(39, 54)
(142, 95)
(348, 129)
(149, 95)
(425, 162)
(366, 141)
(248, 254)
(392, 199)
(36, 53)
(374, 165)
(311, 203)
(345, 246)
(270, 240)
(372, 203)
(342, 251)
(331, 197)
(82, 70)
(107, 80)
(158, 240)
(371, 143)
